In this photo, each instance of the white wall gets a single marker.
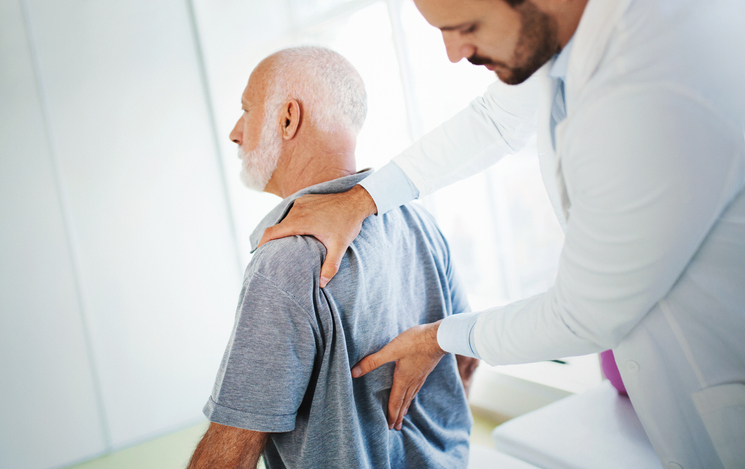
(49, 408)
(119, 271)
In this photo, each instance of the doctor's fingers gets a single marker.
(395, 404)
(406, 350)
(333, 219)
(387, 354)
(411, 393)
(292, 225)
(398, 402)
(334, 253)
(335, 247)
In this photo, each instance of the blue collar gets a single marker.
(561, 64)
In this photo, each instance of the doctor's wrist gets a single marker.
(361, 202)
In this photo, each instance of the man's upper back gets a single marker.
(287, 366)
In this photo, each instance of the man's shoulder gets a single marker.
(290, 263)
(416, 216)
(419, 221)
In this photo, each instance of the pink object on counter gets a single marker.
(610, 370)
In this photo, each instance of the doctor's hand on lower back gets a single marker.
(416, 354)
(333, 219)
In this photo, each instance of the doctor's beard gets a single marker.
(537, 44)
(259, 164)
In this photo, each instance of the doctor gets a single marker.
(639, 108)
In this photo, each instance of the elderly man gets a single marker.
(284, 385)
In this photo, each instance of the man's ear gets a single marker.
(289, 119)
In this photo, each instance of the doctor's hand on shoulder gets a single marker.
(333, 219)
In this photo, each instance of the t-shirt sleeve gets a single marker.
(268, 362)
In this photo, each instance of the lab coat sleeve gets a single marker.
(455, 334)
(389, 188)
(648, 170)
(498, 123)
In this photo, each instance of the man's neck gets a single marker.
(309, 178)
(311, 161)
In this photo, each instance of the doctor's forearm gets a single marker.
(640, 209)
(496, 124)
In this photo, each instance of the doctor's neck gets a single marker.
(568, 15)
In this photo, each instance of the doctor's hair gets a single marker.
(514, 3)
(327, 86)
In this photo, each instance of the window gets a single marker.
(501, 227)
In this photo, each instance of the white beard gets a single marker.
(259, 164)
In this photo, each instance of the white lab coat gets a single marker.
(647, 182)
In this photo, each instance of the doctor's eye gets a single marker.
(470, 29)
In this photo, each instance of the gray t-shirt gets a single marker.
(286, 369)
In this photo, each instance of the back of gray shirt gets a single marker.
(286, 369)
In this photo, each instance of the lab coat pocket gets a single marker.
(722, 409)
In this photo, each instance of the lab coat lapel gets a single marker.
(590, 42)
(561, 187)
(547, 156)
(598, 23)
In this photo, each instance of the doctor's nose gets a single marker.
(236, 135)
(456, 47)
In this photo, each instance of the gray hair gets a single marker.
(329, 88)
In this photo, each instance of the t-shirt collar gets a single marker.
(279, 212)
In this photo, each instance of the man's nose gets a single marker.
(236, 135)
(456, 47)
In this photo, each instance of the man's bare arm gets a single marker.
(224, 447)
(333, 219)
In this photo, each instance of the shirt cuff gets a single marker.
(389, 187)
(456, 334)
(248, 421)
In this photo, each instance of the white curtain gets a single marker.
(500, 224)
